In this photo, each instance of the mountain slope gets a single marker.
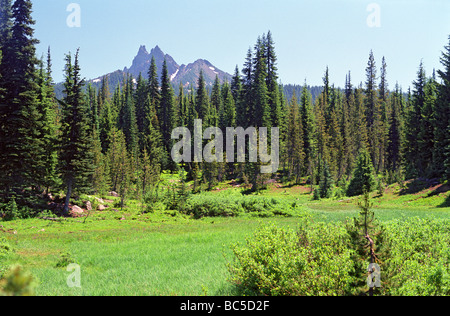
(186, 74)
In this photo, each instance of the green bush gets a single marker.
(5, 247)
(420, 261)
(320, 260)
(282, 262)
(233, 205)
(11, 211)
(64, 260)
(17, 282)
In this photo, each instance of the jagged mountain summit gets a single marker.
(186, 74)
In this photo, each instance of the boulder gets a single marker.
(76, 211)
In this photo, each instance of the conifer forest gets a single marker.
(359, 203)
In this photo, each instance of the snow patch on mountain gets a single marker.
(174, 75)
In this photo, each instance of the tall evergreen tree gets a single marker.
(120, 164)
(153, 85)
(383, 132)
(261, 115)
(168, 115)
(140, 98)
(19, 117)
(336, 145)
(202, 99)
(414, 165)
(236, 86)
(360, 126)
(76, 156)
(295, 150)
(373, 113)
(228, 115)
(348, 143)
(129, 122)
(106, 123)
(48, 128)
(216, 105)
(426, 130)
(326, 182)
(308, 123)
(442, 115)
(272, 81)
(245, 106)
(395, 131)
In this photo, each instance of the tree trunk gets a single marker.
(69, 193)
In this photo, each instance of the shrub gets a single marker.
(17, 282)
(420, 261)
(232, 205)
(64, 260)
(5, 247)
(279, 261)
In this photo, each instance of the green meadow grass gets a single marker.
(124, 252)
(131, 257)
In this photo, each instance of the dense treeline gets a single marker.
(95, 141)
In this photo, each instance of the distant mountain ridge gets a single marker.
(186, 74)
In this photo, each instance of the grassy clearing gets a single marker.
(131, 257)
(124, 252)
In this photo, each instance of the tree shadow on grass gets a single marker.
(418, 185)
(446, 203)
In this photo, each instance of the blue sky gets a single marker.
(309, 34)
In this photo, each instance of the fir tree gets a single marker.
(261, 115)
(100, 176)
(106, 124)
(326, 182)
(129, 122)
(295, 139)
(228, 115)
(271, 81)
(153, 85)
(367, 240)
(308, 123)
(395, 128)
(426, 130)
(168, 115)
(201, 99)
(140, 99)
(76, 157)
(346, 128)
(49, 127)
(236, 86)
(360, 126)
(246, 104)
(119, 163)
(441, 117)
(363, 176)
(414, 166)
(373, 114)
(216, 104)
(20, 120)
